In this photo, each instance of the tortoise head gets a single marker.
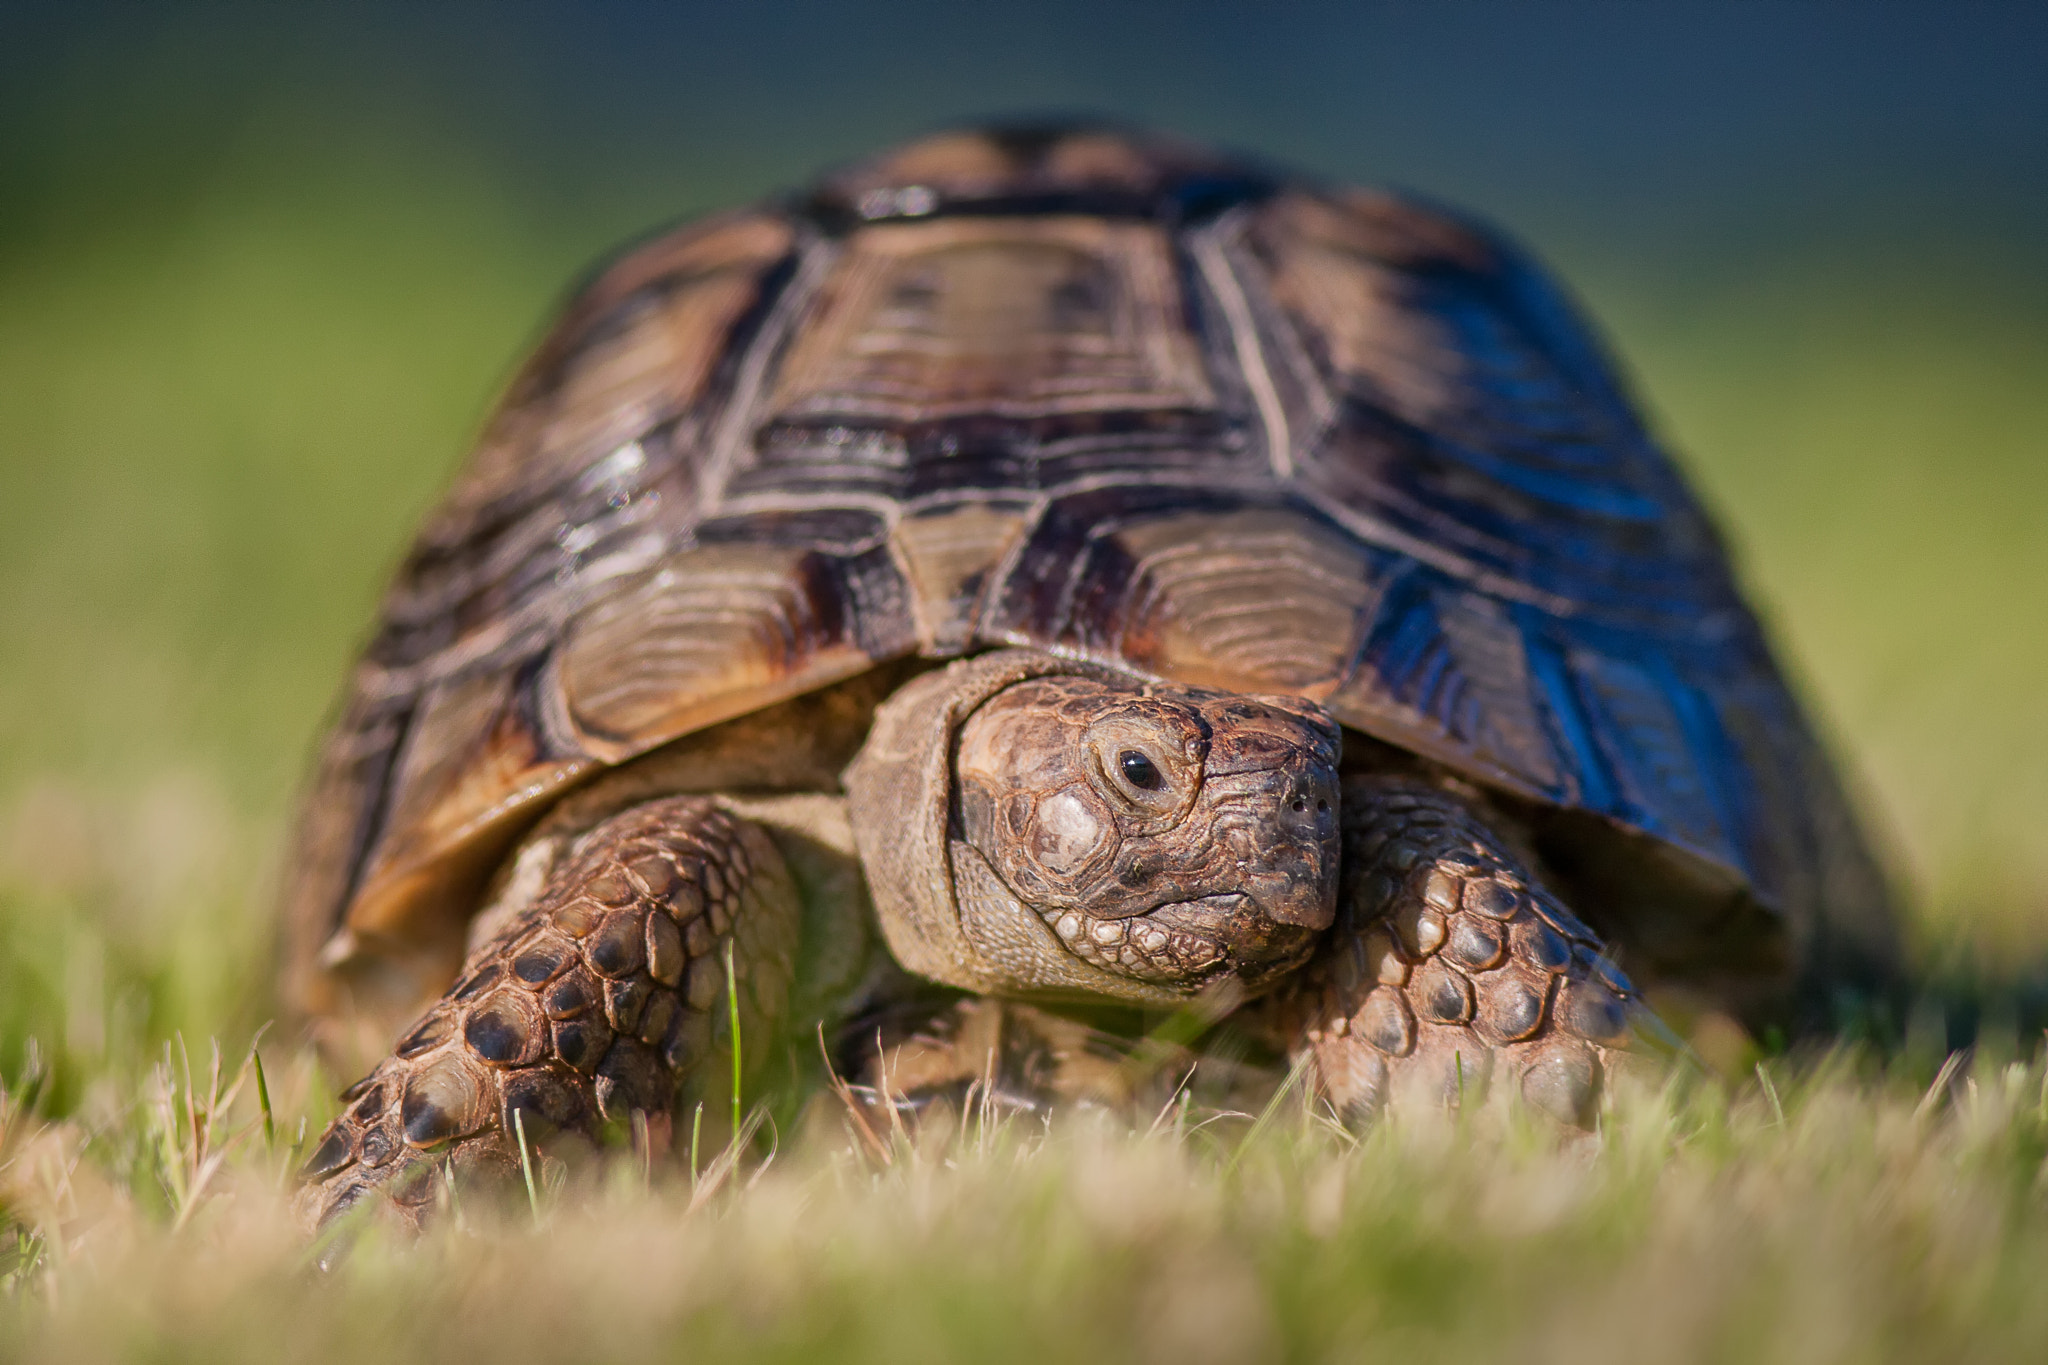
(1032, 824)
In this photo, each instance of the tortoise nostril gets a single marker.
(1322, 806)
(1300, 805)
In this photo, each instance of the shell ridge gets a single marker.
(736, 424)
(1251, 360)
(1155, 410)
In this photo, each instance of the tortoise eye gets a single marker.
(1140, 771)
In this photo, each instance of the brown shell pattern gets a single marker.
(1082, 390)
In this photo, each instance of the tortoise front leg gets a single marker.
(597, 1002)
(1450, 967)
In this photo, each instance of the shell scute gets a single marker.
(1089, 391)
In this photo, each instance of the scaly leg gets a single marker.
(598, 1001)
(1449, 967)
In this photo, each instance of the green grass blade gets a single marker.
(263, 1099)
(732, 1015)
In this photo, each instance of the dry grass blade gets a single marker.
(526, 1164)
(1289, 1089)
(1763, 1079)
(856, 1112)
(727, 1161)
(1938, 1089)
(192, 1136)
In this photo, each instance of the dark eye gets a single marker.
(1140, 771)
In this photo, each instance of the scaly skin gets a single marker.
(1450, 963)
(1149, 842)
(599, 1001)
(1223, 864)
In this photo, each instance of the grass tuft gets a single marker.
(1843, 1220)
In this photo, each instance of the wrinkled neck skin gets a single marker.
(1105, 835)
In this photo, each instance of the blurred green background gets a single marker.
(262, 268)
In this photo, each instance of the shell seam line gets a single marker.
(766, 347)
(1251, 358)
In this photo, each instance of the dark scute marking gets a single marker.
(1069, 576)
(1189, 201)
(544, 1101)
(747, 327)
(1514, 521)
(582, 1042)
(334, 1152)
(1590, 782)
(619, 948)
(656, 1018)
(1590, 1010)
(879, 601)
(538, 964)
(1509, 1006)
(1485, 896)
(632, 1077)
(623, 1001)
(837, 531)
(1026, 455)
(413, 1185)
(1443, 994)
(568, 997)
(478, 982)
(1385, 1022)
(441, 1101)
(1474, 943)
(1541, 946)
(338, 1204)
(502, 1030)
(822, 459)
(1616, 979)
(665, 956)
(377, 1147)
(428, 1036)
(359, 1089)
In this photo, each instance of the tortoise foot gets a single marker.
(1451, 971)
(591, 1006)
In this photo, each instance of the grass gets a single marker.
(216, 428)
(1847, 1215)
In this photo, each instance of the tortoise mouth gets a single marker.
(1188, 943)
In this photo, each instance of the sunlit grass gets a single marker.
(215, 434)
(1847, 1214)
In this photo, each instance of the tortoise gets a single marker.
(1063, 566)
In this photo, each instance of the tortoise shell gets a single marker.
(1096, 393)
